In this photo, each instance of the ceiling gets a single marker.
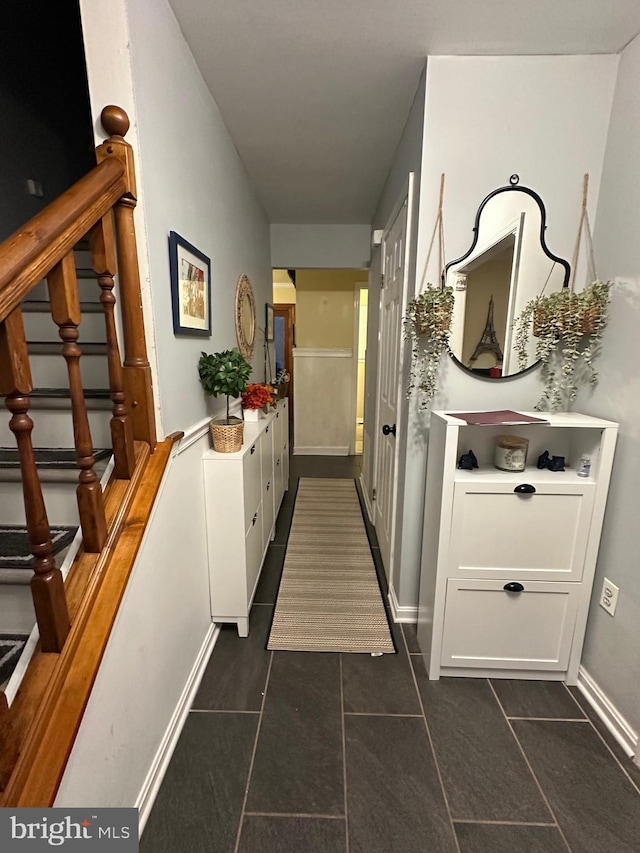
(315, 93)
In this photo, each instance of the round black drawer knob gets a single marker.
(513, 586)
(525, 489)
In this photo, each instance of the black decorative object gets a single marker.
(543, 460)
(468, 461)
(556, 463)
(552, 463)
(488, 340)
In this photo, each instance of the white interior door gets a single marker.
(394, 251)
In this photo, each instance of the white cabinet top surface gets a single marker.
(555, 419)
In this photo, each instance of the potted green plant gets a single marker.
(427, 324)
(568, 327)
(225, 374)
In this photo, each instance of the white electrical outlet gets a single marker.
(609, 596)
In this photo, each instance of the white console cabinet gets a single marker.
(508, 558)
(243, 493)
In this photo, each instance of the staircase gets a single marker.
(80, 466)
(55, 453)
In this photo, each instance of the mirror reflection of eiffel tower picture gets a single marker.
(488, 341)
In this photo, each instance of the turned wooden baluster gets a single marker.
(47, 586)
(65, 310)
(103, 258)
(137, 371)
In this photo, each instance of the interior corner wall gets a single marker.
(486, 118)
(320, 246)
(407, 159)
(190, 180)
(612, 645)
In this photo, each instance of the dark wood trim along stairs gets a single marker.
(75, 615)
(38, 731)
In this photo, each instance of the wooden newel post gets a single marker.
(47, 586)
(137, 372)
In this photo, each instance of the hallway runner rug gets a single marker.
(329, 598)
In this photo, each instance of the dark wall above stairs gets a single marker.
(43, 84)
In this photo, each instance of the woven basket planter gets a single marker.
(227, 437)
(588, 320)
(438, 321)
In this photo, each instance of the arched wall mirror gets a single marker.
(507, 265)
(245, 317)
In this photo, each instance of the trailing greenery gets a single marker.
(224, 373)
(427, 324)
(568, 327)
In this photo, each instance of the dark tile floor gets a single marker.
(289, 752)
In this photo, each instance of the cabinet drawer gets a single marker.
(254, 551)
(268, 510)
(279, 481)
(266, 454)
(252, 482)
(485, 626)
(543, 536)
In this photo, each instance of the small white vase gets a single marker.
(251, 415)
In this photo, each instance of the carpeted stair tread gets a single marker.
(41, 306)
(48, 457)
(11, 646)
(54, 347)
(65, 393)
(15, 547)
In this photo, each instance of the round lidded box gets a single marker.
(511, 452)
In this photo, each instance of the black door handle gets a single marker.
(525, 489)
(514, 586)
(389, 430)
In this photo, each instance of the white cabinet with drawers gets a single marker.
(243, 493)
(508, 558)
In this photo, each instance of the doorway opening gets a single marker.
(320, 340)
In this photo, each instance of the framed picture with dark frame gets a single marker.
(268, 323)
(190, 288)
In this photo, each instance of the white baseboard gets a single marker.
(365, 498)
(608, 713)
(151, 786)
(321, 451)
(399, 612)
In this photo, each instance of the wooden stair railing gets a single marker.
(44, 249)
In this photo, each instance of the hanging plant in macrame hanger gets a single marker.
(427, 323)
(568, 326)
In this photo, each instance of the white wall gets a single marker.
(161, 626)
(320, 246)
(190, 180)
(324, 425)
(612, 647)
(542, 117)
(193, 183)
